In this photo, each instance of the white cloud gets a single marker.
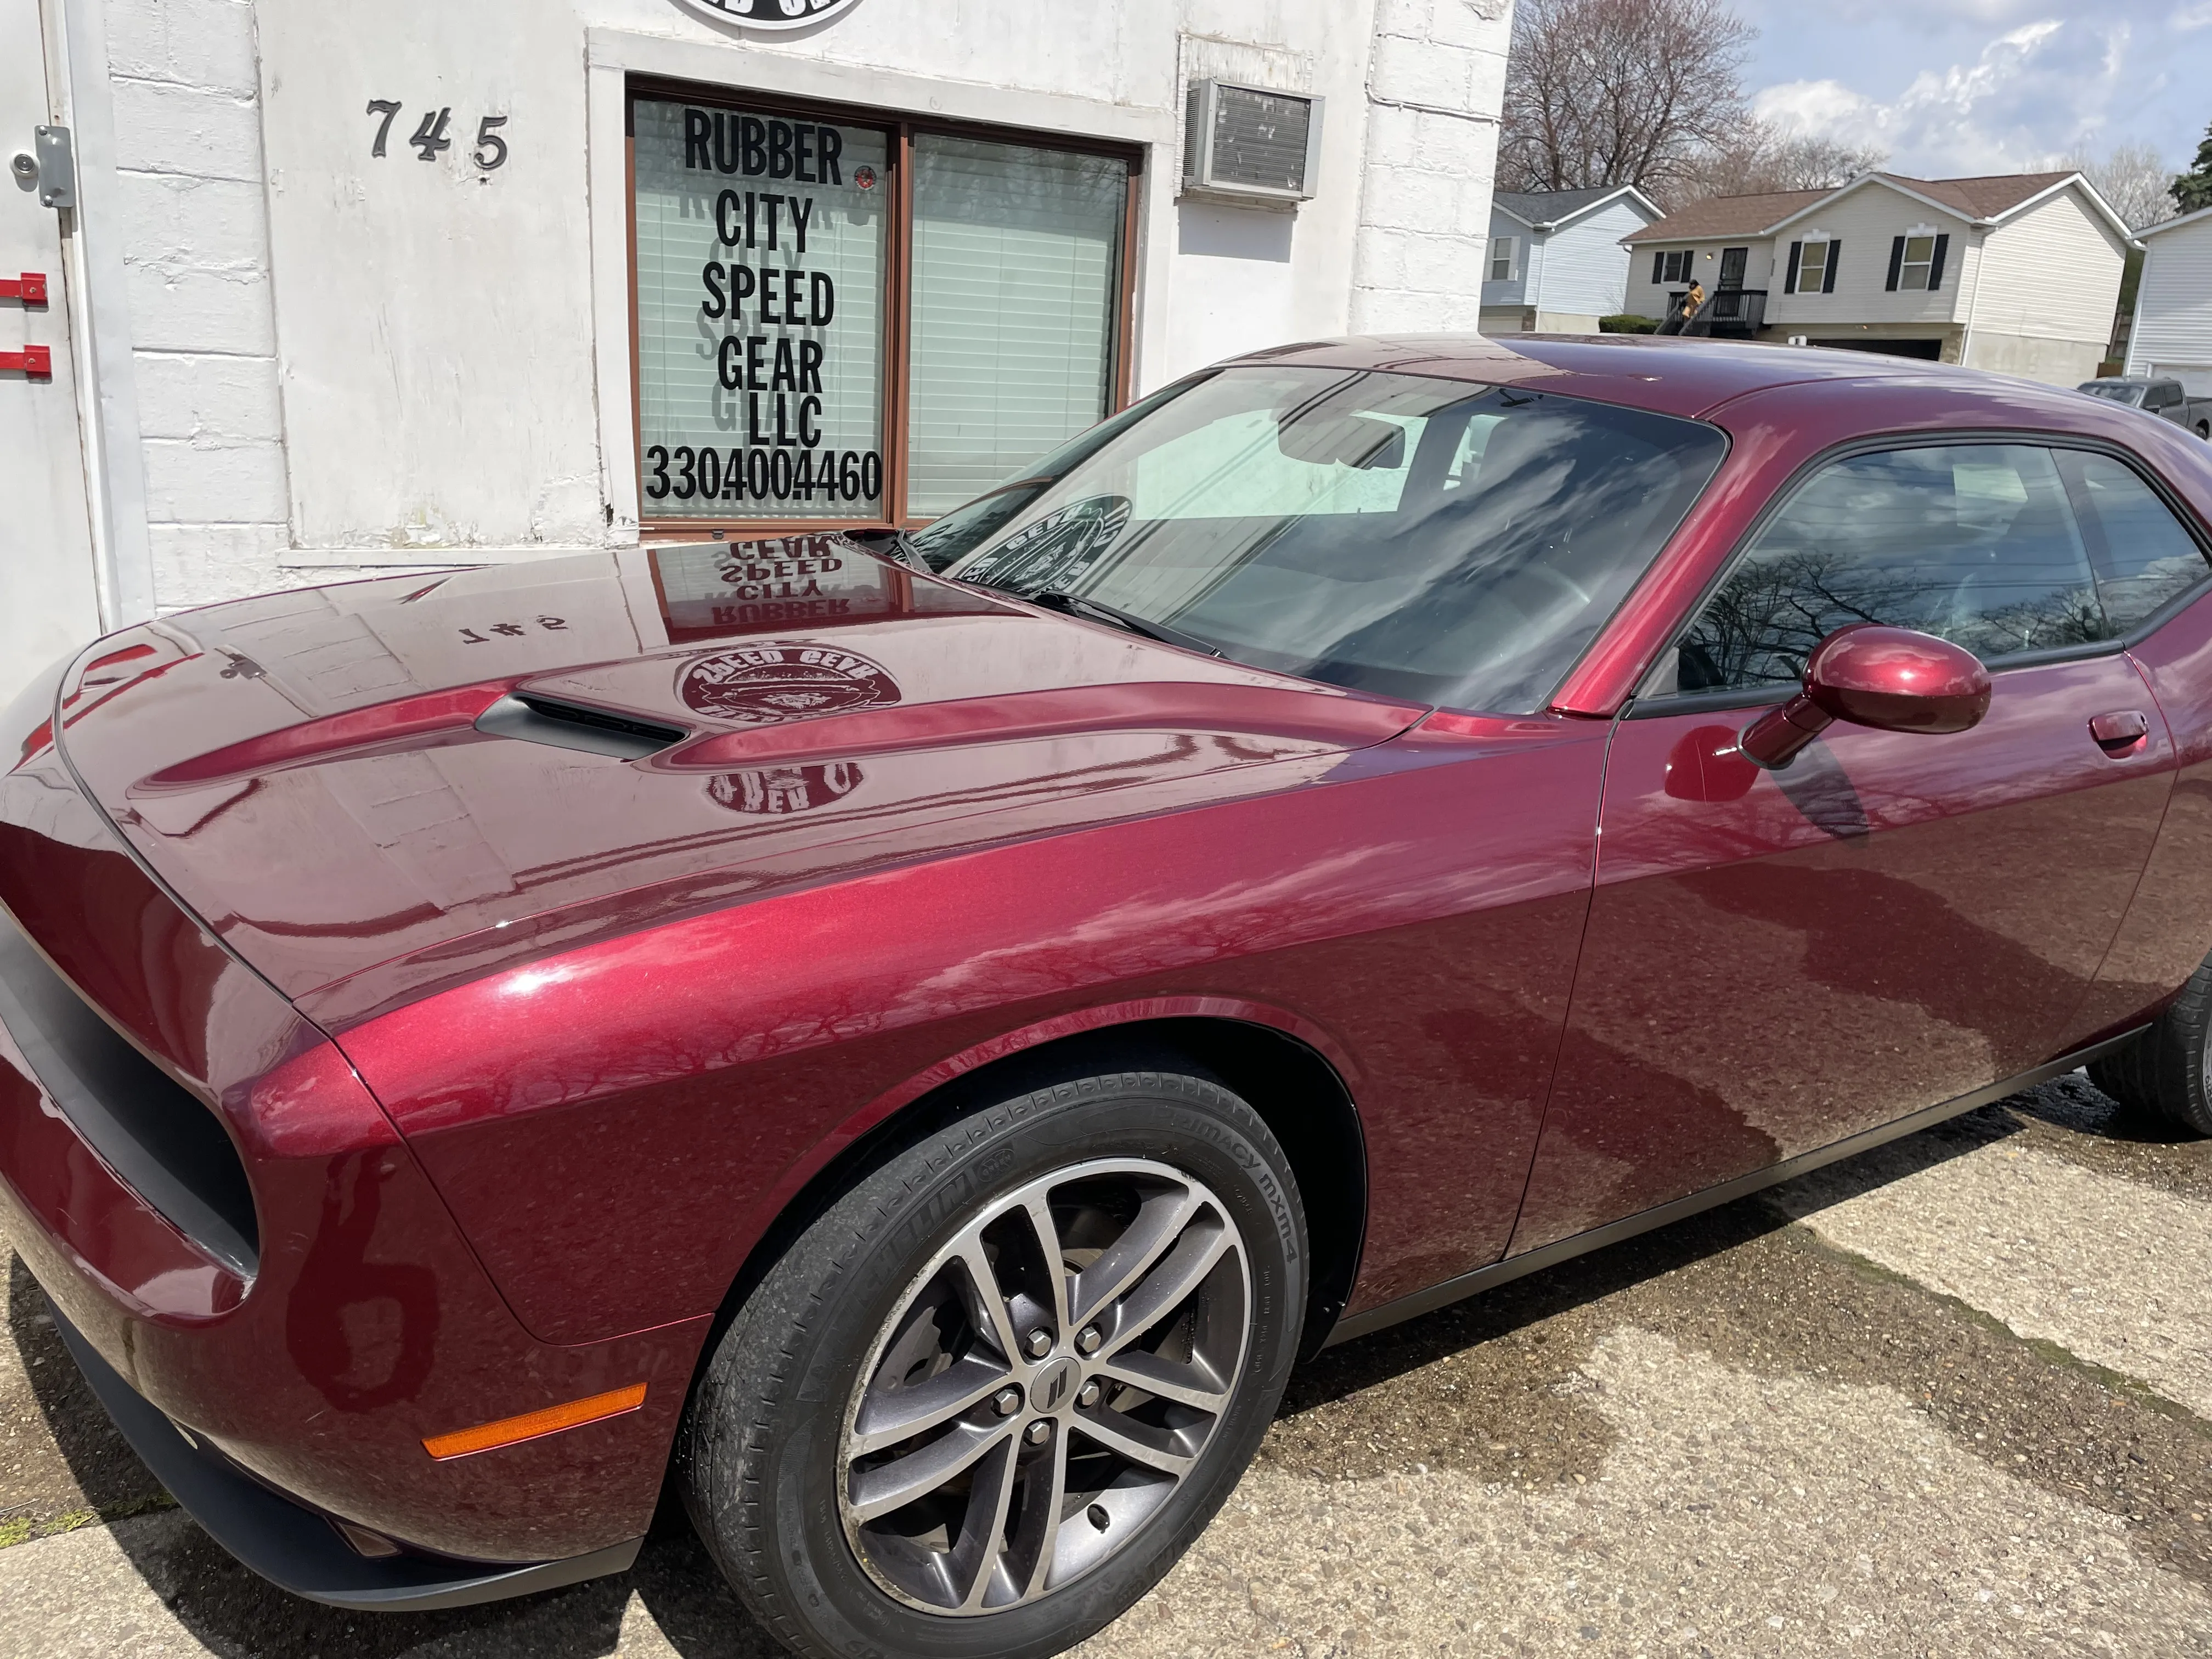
(2025, 97)
(2198, 16)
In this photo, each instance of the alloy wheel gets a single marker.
(1043, 1386)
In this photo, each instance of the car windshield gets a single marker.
(1441, 541)
(2118, 391)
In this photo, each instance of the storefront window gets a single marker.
(1017, 281)
(761, 246)
(815, 345)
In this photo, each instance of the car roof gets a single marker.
(1667, 375)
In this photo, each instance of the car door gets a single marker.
(1776, 961)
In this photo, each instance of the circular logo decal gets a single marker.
(773, 791)
(774, 14)
(865, 177)
(1056, 551)
(762, 684)
(1050, 1389)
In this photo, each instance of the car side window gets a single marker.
(2145, 558)
(1974, 542)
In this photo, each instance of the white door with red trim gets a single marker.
(49, 602)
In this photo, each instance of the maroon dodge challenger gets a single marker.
(908, 1041)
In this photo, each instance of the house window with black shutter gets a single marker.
(1916, 260)
(1813, 267)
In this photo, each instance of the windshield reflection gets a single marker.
(1430, 539)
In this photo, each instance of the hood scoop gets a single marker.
(1299, 716)
(533, 717)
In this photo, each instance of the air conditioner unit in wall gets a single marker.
(1249, 144)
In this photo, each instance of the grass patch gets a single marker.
(23, 1528)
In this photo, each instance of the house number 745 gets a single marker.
(429, 135)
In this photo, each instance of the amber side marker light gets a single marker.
(533, 1425)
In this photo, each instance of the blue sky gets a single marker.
(1952, 87)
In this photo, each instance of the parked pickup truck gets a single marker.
(2162, 398)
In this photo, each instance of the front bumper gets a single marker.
(293, 1546)
(237, 1239)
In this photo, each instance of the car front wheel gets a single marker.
(987, 1400)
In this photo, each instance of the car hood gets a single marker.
(308, 772)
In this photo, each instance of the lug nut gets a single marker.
(1089, 1339)
(1037, 1432)
(1037, 1344)
(1006, 1401)
(1089, 1397)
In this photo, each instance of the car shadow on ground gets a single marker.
(233, 1613)
(2068, 1104)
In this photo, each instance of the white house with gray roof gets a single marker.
(1556, 263)
(2015, 272)
(2173, 331)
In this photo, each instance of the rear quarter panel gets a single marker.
(2167, 929)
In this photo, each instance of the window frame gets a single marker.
(1646, 705)
(900, 128)
(1907, 265)
(1810, 280)
(1511, 245)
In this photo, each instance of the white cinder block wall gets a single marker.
(1394, 242)
(186, 89)
(1434, 86)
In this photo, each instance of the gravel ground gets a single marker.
(1949, 1398)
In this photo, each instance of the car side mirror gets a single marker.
(1890, 678)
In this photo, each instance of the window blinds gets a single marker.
(1017, 276)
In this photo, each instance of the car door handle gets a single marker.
(2122, 732)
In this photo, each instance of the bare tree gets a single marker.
(2132, 180)
(1762, 156)
(1618, 92)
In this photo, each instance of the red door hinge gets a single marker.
(30, 288)
(36, 361)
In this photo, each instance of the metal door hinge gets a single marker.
(57, 164)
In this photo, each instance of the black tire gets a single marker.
(763, 1458)
(2160, 1076)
